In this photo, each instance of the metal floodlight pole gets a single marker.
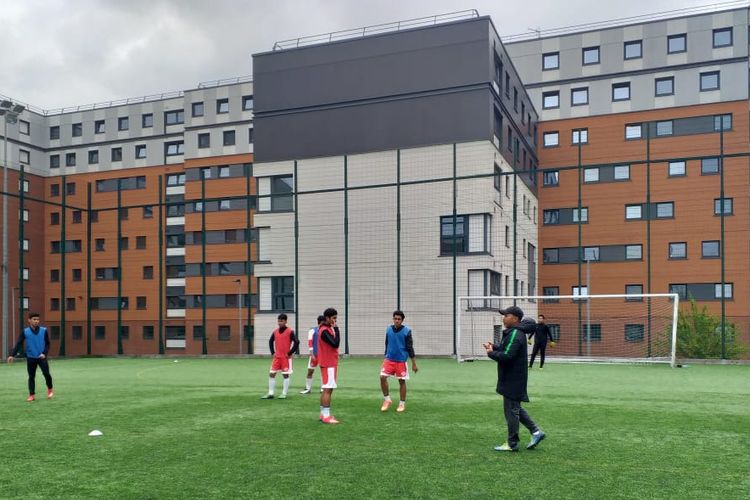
(9, 112)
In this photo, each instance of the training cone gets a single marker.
(95, 433)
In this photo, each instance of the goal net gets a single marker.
(631, 328)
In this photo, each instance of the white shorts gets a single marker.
(328, 376)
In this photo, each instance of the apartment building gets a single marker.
(656, 114)
(403, 149)
(119, 206)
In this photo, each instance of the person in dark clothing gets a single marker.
(543, 335)
(512, 377)
(37, 342)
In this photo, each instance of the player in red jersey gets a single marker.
(328, 359)
(312, 363)
(283, 343)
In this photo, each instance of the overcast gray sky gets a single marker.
(56, 53)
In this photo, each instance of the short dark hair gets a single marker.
(281, 316)
(33, 315)
(399, 312)
(321, 319)
(541, 316)
(330, 312)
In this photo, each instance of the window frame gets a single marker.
(657, 81)
(719, 31)
(678, 36)
(579, 90)
(677, 162)
(586, 50)
(670, 255)
(547, 55)
(620, 86)
(551, 94)
(625, 45)
(708, 74)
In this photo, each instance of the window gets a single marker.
(722, 122)
(550, 178)
(229, 137)
(140, 151)
(147, 120)
(54, 132)
(677, 169)
(140, 242)
(621, 91)
(176, 180)
(148, 212)
(77, 217)
(591, 254)
(590, 55)
(204, 140)
(633, 252)
(124, 213)
(54, 218)
(77, 275)
(224, 332)
(551, 217)
(634, 49)
(99, 245)
(148, 272)
(247, 103)
(224, 171)
(676, 43)
(722, 37)
(123, 123)
(76, 129)
(222, 106)
(678, 250)
(633, 212)
(197, 109)
(498, 179)
(550, 290)
(622, 172)
(25, 274)
(550, 61)
(174, 117)
(100, 332)
(727, 206)
(24, 156)
(54, 275)
(579, 97)
(665, 210)
(54, 304)
(70, 304)
(70, 159)
(515, 99)
(454, 236)
(710, 249)
(76, 332)
(124, 243)
(727, 290)
(584, 216)
(54, 161)
(709, 166)
(551, 100)
(54, 190)
(580, 291)
(70, 246)
(99, 127)
(25, 215)
(25, 245)
(710, 81)
(591, 332)
(124, 332)
(94, 216)
(23, 127)
(634, 290)
(664, 86)
(634, 131)
(140, 302)
(551, 255)
(174, 148)
(664, 128)
(148, 332)
(591, 174)
(281, 188)
(282, 293)
(93, 157)
(250, 135)
(634, 332)
(116, 154)
(551, 139)
(580, 136)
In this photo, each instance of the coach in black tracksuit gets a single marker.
(543, 335)
(513, 375)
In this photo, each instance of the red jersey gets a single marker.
(328, 355)
(282, 342)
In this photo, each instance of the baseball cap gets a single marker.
(514, 310)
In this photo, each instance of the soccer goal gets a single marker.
(633, 328)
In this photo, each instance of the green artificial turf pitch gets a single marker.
(196, 428)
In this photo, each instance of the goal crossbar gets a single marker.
(675, 298)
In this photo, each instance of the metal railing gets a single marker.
(613, 23)
(225, 81)
(374, 30)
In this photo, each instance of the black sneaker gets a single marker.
(536, 438)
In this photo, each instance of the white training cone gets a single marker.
(95, 433)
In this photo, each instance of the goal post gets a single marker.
(629, 328)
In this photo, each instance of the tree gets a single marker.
(699, 335)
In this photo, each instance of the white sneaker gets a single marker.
(306, 391)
